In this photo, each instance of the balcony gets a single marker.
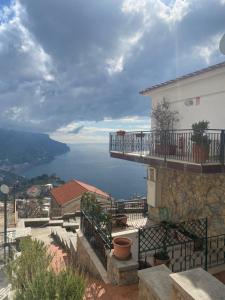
(173, 149)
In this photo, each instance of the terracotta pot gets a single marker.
(121, 132)
(165, 149)
(200, 153)
(122, 247)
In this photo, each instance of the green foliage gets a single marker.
(199, 136)
(33, 259)
(163, 117)
(66, 285)
(92, 207)
(70, 285)
(32, 277)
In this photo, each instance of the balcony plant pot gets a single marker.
(120, 132)
(161, 258)
(200, 153)
(165, 149)
(122, 247)
(201, 142)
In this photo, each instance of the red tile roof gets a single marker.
(74, 189)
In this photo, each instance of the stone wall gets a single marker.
(196, 284)
(155, 284)
(121, 272)
(87, 259)
(159, 283)
(184, 195)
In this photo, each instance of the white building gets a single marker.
(196, 96)
(180, 184)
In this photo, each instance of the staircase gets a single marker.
(60, 258)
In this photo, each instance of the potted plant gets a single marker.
(122, 247)
(121, 132)
(163, 121)
(162, 258)
(201, 142)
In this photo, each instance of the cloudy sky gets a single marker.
(73, 68)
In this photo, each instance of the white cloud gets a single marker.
(208, 49)
(115, 65)
(85, 61)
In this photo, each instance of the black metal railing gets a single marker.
(174, 144)
(97, 237)
(216, 250)
(129, 214)
(7, 249)
(99, 219)
(185, 244)
(96, 226)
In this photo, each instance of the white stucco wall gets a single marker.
(206, 91)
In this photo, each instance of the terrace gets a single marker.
(173, 149)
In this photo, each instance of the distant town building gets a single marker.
(66, 198)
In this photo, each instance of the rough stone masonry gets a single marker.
(188, 195)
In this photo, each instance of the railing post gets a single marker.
(141, 141)
(165, 145)
(123, 138)
(110, 142)
(222, 146)
(139, 250)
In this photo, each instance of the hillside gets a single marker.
(27, 149)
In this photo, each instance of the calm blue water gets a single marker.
(92, 164)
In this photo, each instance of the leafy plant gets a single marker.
(32, 277)
(164, 120)
(199, 136)
(162, 255)
(163, 117)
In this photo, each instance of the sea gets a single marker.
(92, 164)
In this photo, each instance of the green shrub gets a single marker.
(32, 277)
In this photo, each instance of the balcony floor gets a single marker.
(171, 161)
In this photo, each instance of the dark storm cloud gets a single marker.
(66, 61)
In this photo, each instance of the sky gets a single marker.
(74, 68)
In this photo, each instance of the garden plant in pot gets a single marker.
(162, 258)
(163, 122)
(201, 142)
(120, 132)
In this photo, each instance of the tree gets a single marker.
(163, 117)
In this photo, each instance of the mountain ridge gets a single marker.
(21, 149)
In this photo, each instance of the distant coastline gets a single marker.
(20, 168)
(21, 151)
